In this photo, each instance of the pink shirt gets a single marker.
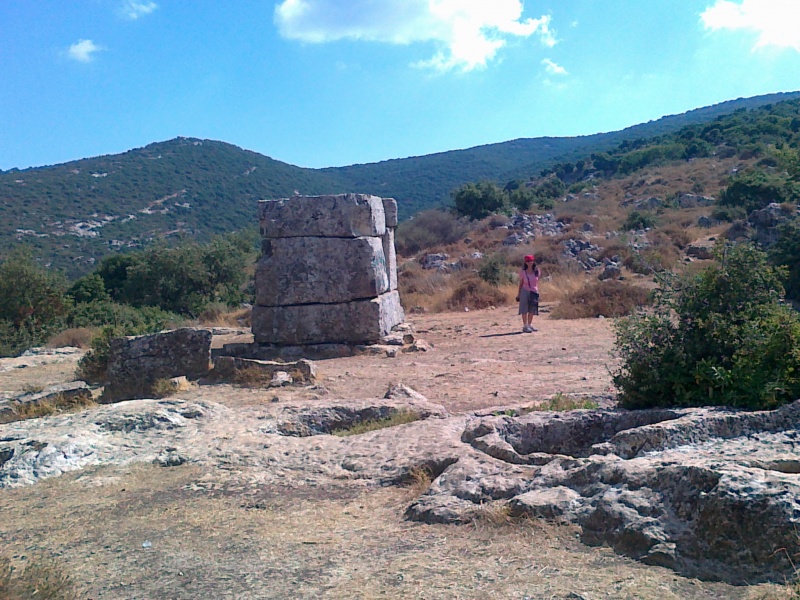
(530, 280)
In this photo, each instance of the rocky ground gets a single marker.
(204, 495)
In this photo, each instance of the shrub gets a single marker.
(427, 229)
(756, 189)
(607, 298)
(93, 365)
(493, 270)
(639, 220)
(786, 253)
(479, 200)
(475, 293)
(719, 337)
(32, 303)
(80, 337)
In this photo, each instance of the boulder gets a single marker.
(700, 252)
(136, 362)
(355, 322)
(342, 215)
(226, 367)
(313, 270)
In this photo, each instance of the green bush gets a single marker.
(756, 189)
(638, 220)
(32, 303)
(786, 253)
(479, 200)
(720, 337)
(493, 270)
(181, 279)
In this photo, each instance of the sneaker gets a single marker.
(531, 329)
(525, 329)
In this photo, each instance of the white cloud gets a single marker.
(134, 9)
(777, 22)
(469, 32)
(553, 68)
(83, 50)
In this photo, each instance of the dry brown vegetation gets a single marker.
(601, 299)
(58, 404)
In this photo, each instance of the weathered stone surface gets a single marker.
(390, 254)
(711, 493)
(313, 270)
(390, 209)
(343, 215)
(136, 362)
(351, 322)
(225, 368)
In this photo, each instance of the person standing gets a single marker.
(528, 292)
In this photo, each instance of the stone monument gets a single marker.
(327, 278)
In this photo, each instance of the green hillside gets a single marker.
(74, 213)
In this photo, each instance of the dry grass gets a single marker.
(418, 481)
(557, 289)
(474, 293)
(222, 316)
(80, 337)
(601, 298)
(562, 402)
(39, 579)
(52, 406)
(401, 417)
(163, 388)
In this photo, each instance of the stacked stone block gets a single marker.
(328, 271)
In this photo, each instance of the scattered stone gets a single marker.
(227, 367)
(699, 252)
(280, 379)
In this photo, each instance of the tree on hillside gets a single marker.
(479, 200)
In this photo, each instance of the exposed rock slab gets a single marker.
(711, 493)
(313, 270)
(356, 322)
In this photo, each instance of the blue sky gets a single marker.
(334, 82)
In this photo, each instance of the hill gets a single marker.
(74, 213)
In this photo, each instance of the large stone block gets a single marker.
(361, 321)
(313, 270)
(342, 215)
(135, 363)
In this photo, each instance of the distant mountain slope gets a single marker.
(75, 213)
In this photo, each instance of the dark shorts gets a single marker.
(528, 302)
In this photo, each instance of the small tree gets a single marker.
(479, 200)
(720, 337)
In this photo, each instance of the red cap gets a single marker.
(530, 257)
